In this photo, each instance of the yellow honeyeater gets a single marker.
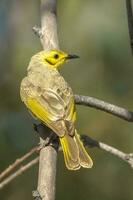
(49, 97)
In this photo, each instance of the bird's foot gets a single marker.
(49, 138)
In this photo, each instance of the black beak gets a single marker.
(71, 56)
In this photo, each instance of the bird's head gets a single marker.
(55, 58)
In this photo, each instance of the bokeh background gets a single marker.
(97, 31)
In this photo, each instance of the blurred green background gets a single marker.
(97, 31)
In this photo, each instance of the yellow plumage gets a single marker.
(48, 96)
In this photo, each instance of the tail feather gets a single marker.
(85, 159)
(70, 151)
(75, 154)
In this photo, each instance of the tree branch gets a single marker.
(48, 155)
(104, 106)
(130, 21)
(18, 173)
(17, 162)
(88, 141)
(49, 37)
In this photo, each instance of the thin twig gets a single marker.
(18, 173)
(130, 21)
(88, 141)
(124, 156)
(17, 162)
(104, 106)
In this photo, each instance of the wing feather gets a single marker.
(54, 109)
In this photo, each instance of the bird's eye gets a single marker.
(56, 56)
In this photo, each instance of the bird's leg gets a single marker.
(48, 136)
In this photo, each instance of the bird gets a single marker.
(50, 99)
